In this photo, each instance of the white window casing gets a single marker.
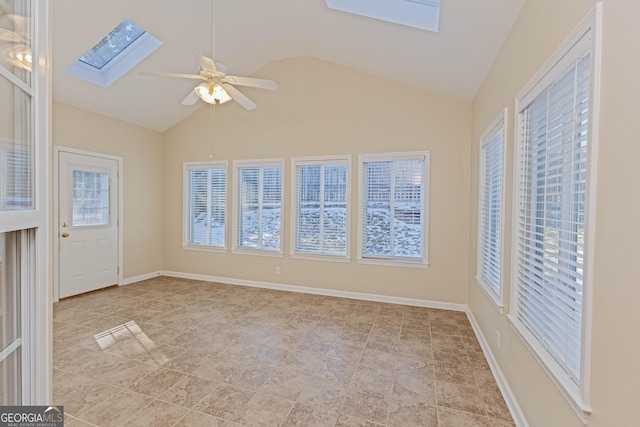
(320, 211)
(258, 206)
(393, 194)
(491, 209)
(554, 211)
(205, 206)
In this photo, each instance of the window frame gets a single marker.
(424, 231)
(261, 163)
(577, 395)
(498, 125)
(319, 161)
(187, 168)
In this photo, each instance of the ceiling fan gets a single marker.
(218, 87)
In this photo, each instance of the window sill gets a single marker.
(204, 248)
(569, 389)
(329, 258)
(257, 252)
(391, 263)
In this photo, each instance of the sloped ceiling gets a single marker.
(249, 34)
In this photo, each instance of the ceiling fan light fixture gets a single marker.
(212, 93)
(22, 58)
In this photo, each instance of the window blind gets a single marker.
(320, 208)
(551, 214)
(490, 241)
(393, 208)
(206, 223)
(259, 205)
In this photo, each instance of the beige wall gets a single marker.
(615, 376)
(141, 150)
(324, 109)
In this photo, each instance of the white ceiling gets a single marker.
(250, 34)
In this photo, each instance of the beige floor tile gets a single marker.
(367, 405)
(193, 353)
(225, 402)
(306, 416)
(189, 391)
(156, 382)
(287, 383)
(199, 419)
(115, 411)
(157, 414)
(265, 410)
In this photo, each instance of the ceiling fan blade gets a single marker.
(191, 99)
(206, 63)
(251, 82)
(239, 97)
(183, 76)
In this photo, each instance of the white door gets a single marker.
(88, 223)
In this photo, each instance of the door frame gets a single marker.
(56, 213)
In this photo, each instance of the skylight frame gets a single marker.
(120, 64)
(422, 14)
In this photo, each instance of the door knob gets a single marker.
(65, 234)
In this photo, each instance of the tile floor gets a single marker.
(174, 352)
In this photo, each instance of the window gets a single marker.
(423, 14)
(258, 214)
(551, 295)
(25, 292)
(320, 208)
(490, 208)
(112, 57)
(393, 208)
(90, 198)
(205, 203)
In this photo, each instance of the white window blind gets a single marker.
(206, 205)
(490, 211)
(259, 206)
(393, 207)
(549, 262)
(320, 207)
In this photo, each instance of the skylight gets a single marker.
(112, 57)
(423, 14)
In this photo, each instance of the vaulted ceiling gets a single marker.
(250, 34)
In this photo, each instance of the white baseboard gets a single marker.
(140, 278)
(318, 291)
(509, 398)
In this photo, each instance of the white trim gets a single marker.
(319, 291)
(499, 123)
(329, 258)
(320, 161)
(386, 157)
(392, 263)
(258, 252)
(260, 163)
(577, 396)
(140, 278)
(509, 398)
(56, 215)
(186, 192)
(10, 348)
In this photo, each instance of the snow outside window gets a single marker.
(320, 213)
(393, 208)
(490, 209)
(258, 221)
(206, 206)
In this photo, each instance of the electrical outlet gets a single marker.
(498, 338)
(277, 270)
